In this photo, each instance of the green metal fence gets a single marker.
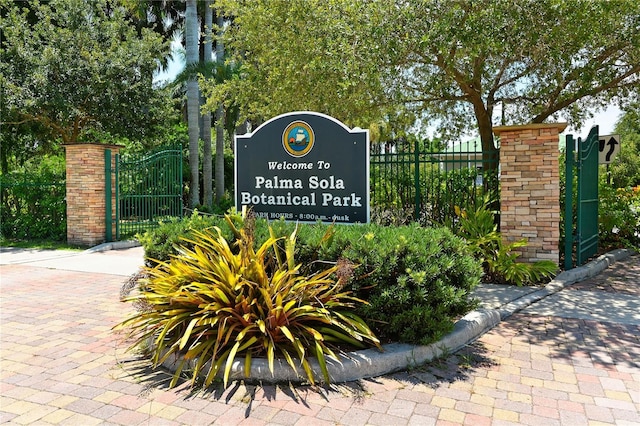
(426, 185)
(148, 189)
(32, 209)
(418, 184)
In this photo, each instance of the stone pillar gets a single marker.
(530, 188)
(86, 195)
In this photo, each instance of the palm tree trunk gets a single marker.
(193, 101)
(219, 120)
(207, 160)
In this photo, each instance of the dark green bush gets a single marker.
(32, 201)
(619, 217)
(160, 243)
(416, 280)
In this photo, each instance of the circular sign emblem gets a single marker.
(298, 138)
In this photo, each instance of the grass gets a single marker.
(38, 244)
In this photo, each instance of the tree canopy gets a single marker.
(302, 55)
(74, 67)
(463, 65)
(625, 168)
(530, 60)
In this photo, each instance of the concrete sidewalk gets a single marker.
(571, 358)
(102, 260)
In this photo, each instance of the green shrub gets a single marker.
(212, 302)
(619, 217)
(401, 270)
(416, 280)
(32, 201)
(161, 242)
(499, 260)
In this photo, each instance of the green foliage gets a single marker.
(509, 62)
(71, 66)
(391, 216)
(472, 56)
(445, 189)
(32, 202)
(415, 279)
(392, 181)
(399, 270)
(339, 75)
(499, 259)
(504, 267)
(160, 243)
(39, 244)
(215, 302)
(619, 204)
(619, 217)
(625, 168)
(224, 204)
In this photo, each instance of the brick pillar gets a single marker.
(86, 196)
(530, 188)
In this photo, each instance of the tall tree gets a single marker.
(76, 70)
(207, 160)
(220, 117)
(303, 55)
(193, 100)
(164, 17)
(533, 60)
(462, 65)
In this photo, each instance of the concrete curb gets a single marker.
(396, 357)
(565, 279)
(115, 245)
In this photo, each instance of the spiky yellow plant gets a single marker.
(215, 303)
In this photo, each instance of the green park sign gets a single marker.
(304, 166)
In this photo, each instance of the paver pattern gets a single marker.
(623, 278)
(62, 364)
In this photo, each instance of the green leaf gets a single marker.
(322, 362)
(261, 326)
(176, 374)
(229, 363)
(187, 333)
(270, 354)
(287, 333)
(202, 352)
(247, 364)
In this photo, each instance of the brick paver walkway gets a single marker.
(61, 364)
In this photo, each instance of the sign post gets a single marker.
(304, 166)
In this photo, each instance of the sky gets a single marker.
(606, 120)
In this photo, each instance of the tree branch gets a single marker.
(575, 74)
(439, 99)
(553, 108)
(47, 122)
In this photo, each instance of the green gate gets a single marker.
(586, 223)
(148, 189)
